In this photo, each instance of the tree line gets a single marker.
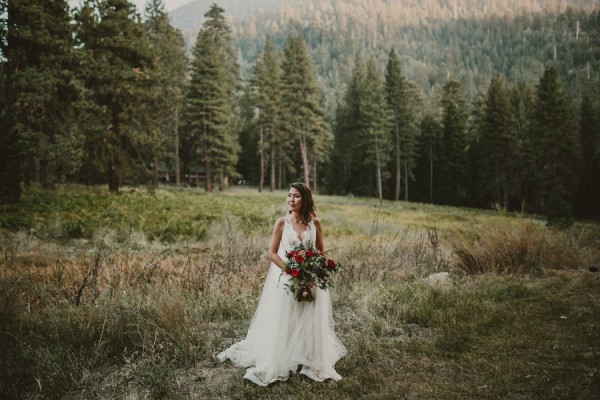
(520, 148)
(101, 94)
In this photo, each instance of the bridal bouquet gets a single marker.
(307, 268)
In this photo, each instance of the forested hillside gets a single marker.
(469, 40)
(463, 102)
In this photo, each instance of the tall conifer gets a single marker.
(347, 170)
(429, 143)
(210, 102)
(376, 124)
(588, 195)
(267, 86)
(554, 135)
(38, 130)
(453, 165)
(304, 116)
(119, 73)
(171, 67)
(403, 131)
(499, 145)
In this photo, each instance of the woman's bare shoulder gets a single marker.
(279, 222)
(317, 222)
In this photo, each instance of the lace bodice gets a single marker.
(290, 238)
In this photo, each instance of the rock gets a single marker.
(439, 279)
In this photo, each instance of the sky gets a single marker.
(170, 5)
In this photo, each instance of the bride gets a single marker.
(284, 333)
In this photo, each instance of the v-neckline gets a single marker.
(297, 234)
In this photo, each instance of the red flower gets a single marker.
(309, 253)
(294, 272)
(299, 259)
(288, 271)
(330, 264)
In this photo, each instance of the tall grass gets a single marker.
(514, 245)
(125, 312)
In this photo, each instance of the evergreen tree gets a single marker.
(39, 91)
(554, 135)
(211, 102)
(376, 124)
(347, 172)
(427, 167)
(453, 149)
(304, 117)
(397, 98)
(499, 145)
(267, 86)
(588, 196)
(119, 72)
(171, 64)
(523, 102)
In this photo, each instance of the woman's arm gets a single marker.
(275, 241)
(319, 233)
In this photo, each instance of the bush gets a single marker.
(511, 246)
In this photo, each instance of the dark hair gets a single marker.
(307, 211)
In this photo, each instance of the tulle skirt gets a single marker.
(285, 334)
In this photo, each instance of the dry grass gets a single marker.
(515, 245)
(123, 315)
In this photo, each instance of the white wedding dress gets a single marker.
(285, 333)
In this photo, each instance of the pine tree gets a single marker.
(376, 124)
(304, 117)
(588, 197)
(363, 134)
(267, 86)
(429, 143)
(453, 155)
(39, 91)
(347, 172)
(210, 103)
(404, 132)
(554, 136)
(523, 102)
(168, 48)
(499, 145)
(119, 72)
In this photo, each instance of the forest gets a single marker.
(462, 103)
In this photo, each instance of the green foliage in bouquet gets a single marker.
(308, 267)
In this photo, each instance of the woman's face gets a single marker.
(294, 200)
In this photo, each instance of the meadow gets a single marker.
(131, 296)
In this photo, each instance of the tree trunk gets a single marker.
(304, 154)
(431, 174)
(261, 144)
(398, 165)
(273, 164)
(208, 187)
(10, 177)
(314, 174)
(154, 183)
(114, 167)
(113, 177)
(378, 161)
(177, 165)
(405, 181)
(207, 173)
(222, 180)
(280, 169)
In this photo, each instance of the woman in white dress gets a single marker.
(284, 333)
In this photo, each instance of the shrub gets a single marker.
(511, 246)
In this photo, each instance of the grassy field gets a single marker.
(132, 296)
